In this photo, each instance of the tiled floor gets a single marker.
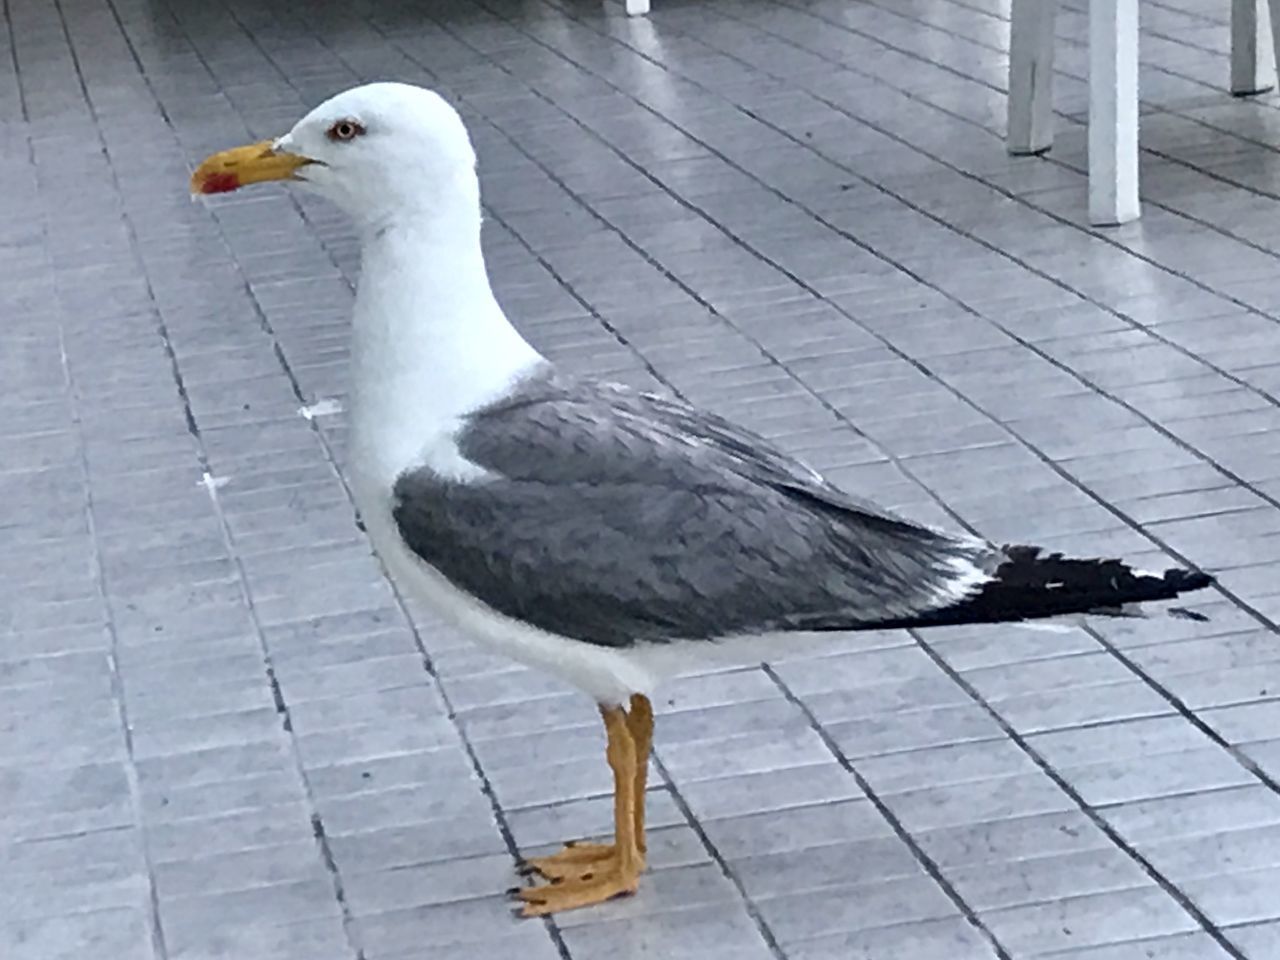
(224, 735)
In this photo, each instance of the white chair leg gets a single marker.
(1031, 76)
(637, 8)
(1274, 11)
(1113, 111)
(1253, 59)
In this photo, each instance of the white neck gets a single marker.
(429, 344)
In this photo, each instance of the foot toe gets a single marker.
(574, 861)
(570, 895)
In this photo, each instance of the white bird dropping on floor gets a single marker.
(213, 484)
(321, 408)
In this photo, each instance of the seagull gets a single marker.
(612, 537)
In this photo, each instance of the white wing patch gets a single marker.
(966, 580)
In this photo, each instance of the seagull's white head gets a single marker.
(382, 152)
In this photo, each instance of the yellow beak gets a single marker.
(255, 163)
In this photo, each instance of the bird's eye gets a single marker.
(345, 130)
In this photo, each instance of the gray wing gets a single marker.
(613, 517)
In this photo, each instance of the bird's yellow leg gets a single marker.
(577, 858)
(640, 725)
(613, 874)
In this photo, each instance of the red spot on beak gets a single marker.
(220, 183)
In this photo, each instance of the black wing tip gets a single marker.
(1181, 580)
(1029, 584)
